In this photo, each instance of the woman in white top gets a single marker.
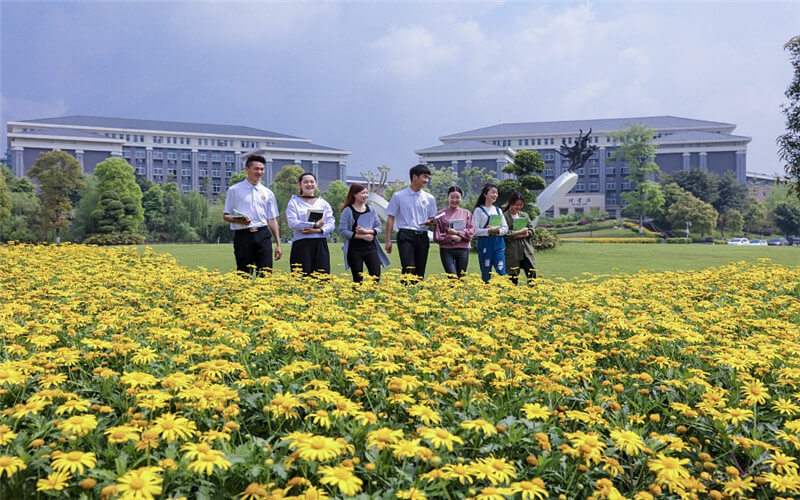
(490, 226)
(311, 220)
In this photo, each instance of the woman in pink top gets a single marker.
(453, 231)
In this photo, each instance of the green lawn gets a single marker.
(567, 261)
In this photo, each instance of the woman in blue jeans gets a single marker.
(490, 227)
(453, 232)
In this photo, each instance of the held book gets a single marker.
(314, 215)
(366, 220)
(457, 224)
(496, 220)
(239, 215)
(521, 223)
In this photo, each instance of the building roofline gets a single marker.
(43, 124)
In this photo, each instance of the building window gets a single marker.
(581, 171)
(186, 172)
(609, 170)
(609, 153)
(216, 157)
(186, 156)
(548, 172)
(186, 187)
(158, 155)
(202, 157)
(140, 170)
(579, 186)
(215, 173)
(172, 155)
(592, 186)
(548, 156)
(140, 155)
(228, 157)
(593, 170)
(215, 188)
(538, 142)
(610, 186)
(202, 172)
(158, 170)
(126, 152)
(625, 170)
(626, 186)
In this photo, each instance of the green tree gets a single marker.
(83, 224)
(471, 181)
(671, 192)
(756, 218)
(236, 178)
(335, 195)
(393, 187)
(787, 218)
(154, 210)
(702, 184)
(119, 205)
(731, 220)
(689, 208)
(196, 206)
(789, 142)
(731, 194)
(526, 167)
(5, 200)
(176, 215)
(638, 152)
(59, 177)
(441, 180)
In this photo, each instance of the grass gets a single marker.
(568, 261)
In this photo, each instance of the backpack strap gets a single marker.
(487, 216)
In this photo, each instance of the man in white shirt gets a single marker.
(252, 211)
(413, 210)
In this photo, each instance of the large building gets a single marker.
(683, 143)
(196, 156)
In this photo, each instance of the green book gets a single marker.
(496, 220)
(239, 215)
(521, 223)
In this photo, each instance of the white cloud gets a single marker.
(412, 52)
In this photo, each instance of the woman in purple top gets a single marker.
(453, 231)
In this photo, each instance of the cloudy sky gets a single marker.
(384, 78)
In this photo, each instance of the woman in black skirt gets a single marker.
(311, 220)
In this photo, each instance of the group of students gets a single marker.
(503, 237)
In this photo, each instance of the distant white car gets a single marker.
(738, 241)
(761, 243)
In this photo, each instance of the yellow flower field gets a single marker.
(124, 375)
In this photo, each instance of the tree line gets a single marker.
(114, 206)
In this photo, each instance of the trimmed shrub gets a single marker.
(544, 239)
(114, 239)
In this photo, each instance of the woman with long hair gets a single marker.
(490, 227)
(453, 232)
(519, 246)
(311, 220)
(360, 226)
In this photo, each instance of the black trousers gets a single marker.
(310, 255)
(253, 250)
(413, 249)
(454, 260)
(358, 257)
(525, 265)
